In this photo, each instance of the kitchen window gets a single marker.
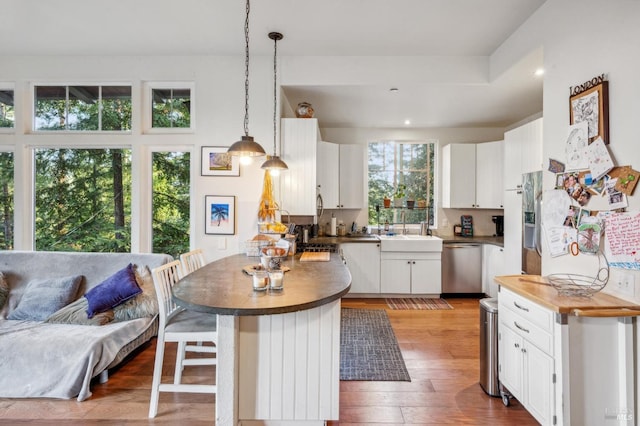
(407, 164)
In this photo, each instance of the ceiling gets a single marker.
(349, 28)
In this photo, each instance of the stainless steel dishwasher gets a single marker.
(462, 268)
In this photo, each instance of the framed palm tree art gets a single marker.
(220, 214)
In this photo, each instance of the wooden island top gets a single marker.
(222, 287)
(537, 289)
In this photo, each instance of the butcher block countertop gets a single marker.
(537, 289)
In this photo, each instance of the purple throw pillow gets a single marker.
(116, 289)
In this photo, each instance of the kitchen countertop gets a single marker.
(221, 287)
(536, 289)
(372, 238)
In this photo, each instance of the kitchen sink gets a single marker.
(410, 242)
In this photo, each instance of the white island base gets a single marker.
(283, 368)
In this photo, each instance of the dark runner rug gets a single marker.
(368, 348)
(417, 303)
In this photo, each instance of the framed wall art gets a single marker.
(590, 102)
(220, 214)
(217, 162)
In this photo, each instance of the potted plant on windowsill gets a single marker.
(386, 201)
(398, 196)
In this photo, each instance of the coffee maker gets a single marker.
(499, 221)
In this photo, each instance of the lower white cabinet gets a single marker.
(411, 273)
(525, 349)
(492, 266)
(363, 261)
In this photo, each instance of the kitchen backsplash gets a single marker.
(482, 223)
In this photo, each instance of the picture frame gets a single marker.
(220, 215)
(217, 162)
(592, 105)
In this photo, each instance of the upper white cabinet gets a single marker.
(522, 152)
(299, 146)
(472, 175)
(341, 175)
(489, 162)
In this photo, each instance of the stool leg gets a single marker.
(180, 355)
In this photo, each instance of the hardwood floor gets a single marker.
(440, 349)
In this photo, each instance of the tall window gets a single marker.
(171, 182)
(398, 164)
(7, 110)
(83, 200)
(6, 200)
(82, 108)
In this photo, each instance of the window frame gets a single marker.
(100, 85)
(435, 181)
(147, 107)
(10, 86)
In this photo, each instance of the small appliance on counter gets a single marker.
(466, 222)
(499, 221)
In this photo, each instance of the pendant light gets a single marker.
(274, 164)
(246, 147)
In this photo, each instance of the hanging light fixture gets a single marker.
(246, 147)
(274, 164)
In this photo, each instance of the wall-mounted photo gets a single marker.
(217, 162)
(220, 215)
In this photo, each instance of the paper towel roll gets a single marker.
(333, 227)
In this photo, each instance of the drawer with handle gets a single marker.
(529, 331)
(527, 309)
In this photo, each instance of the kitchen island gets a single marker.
(279, 350)
(569, 360)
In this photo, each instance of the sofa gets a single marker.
(54, 337)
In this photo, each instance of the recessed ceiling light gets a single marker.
(539, 71)
(393, 89)
(407, 122)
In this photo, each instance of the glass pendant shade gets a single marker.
(246, 147)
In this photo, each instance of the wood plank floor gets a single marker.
(440, 348)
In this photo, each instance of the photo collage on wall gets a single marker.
(586, 172)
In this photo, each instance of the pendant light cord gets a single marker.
(275, 93)
(246, 72)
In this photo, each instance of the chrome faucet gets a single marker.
(404, 225)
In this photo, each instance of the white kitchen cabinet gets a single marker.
(411, 273)
(363, 261)
(459, 176)
(525, 354)
(341, 177)
(299, 146)
(489, 164)
(492, 265)
(328, 173)
(522, 153)
(472, 175)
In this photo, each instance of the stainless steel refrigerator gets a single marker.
(531, 226)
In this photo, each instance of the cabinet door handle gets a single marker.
(524, 351)
(517, 345)
(520, 307)
(520, 327)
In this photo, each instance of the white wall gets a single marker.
(219, 107)
(582, 39)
